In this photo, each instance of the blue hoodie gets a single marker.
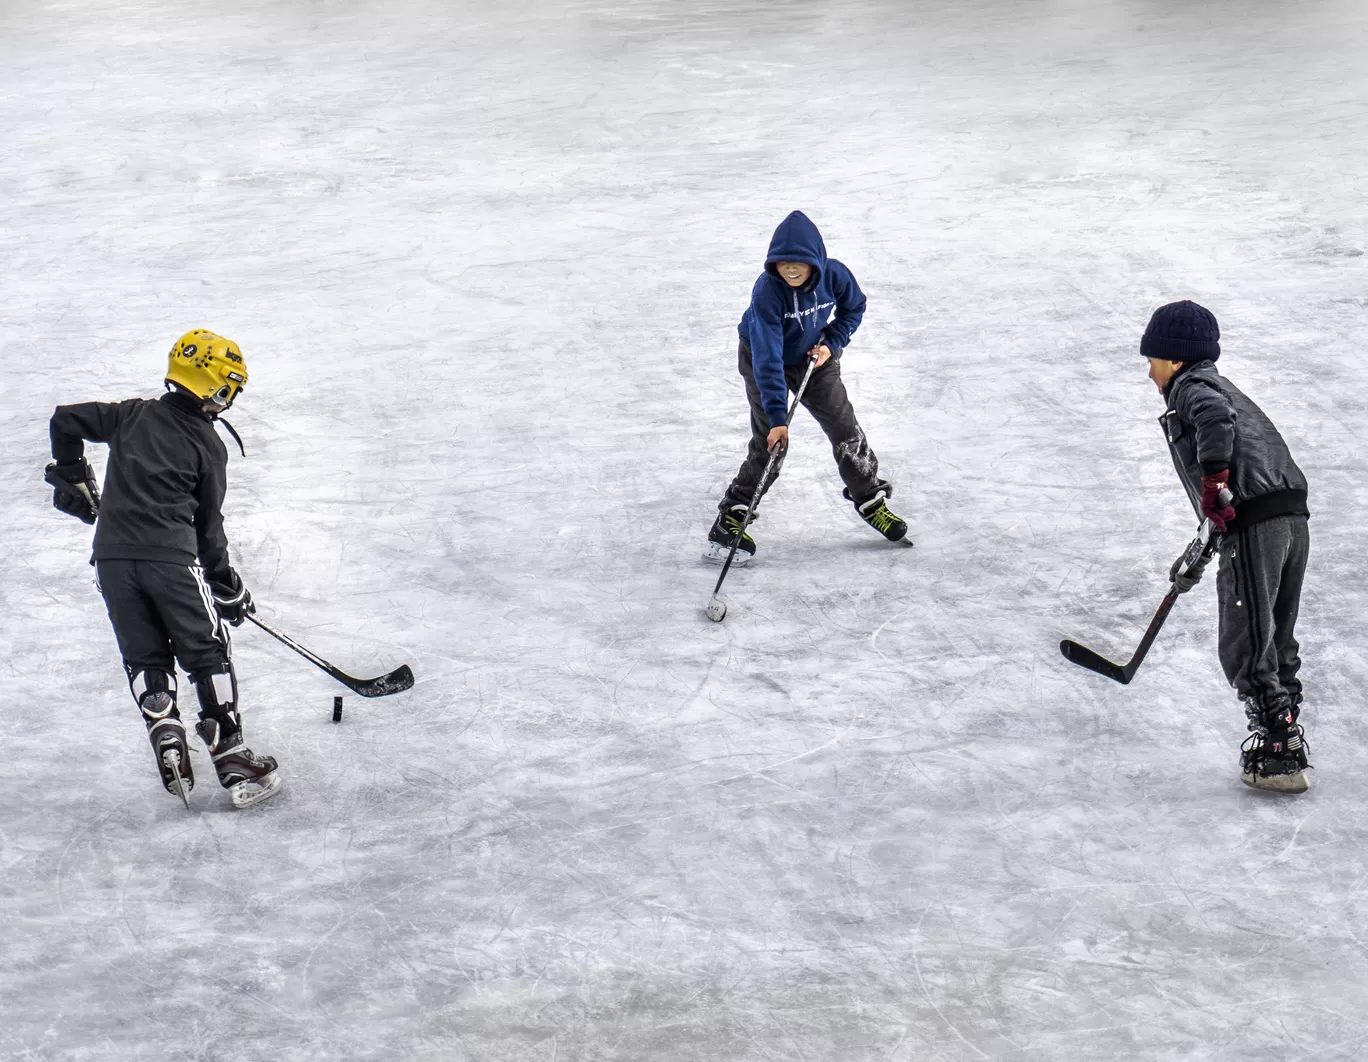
(782, 323)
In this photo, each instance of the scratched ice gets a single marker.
(485, 261)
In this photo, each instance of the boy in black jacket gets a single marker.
(161, 555)
(1220, 439)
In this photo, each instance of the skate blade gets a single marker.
(716, 553)
(245, 794)
(1278, 783)
(178, 785)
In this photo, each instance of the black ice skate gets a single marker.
(167, 735)
(723, 533)
(249, 778)
(1273, 757)
(882, 519)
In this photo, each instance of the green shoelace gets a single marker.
(882, 519)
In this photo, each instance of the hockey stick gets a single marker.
(716, 608)
(398, 680)
(1122, 673)
(1200, 549)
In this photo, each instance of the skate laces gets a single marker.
(1280, 745)
(882, 518)
(732, 521)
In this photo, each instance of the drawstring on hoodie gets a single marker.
(233, 432)
(214, 418)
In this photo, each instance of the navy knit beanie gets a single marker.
(1182, 331)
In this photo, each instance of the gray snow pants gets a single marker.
(826, 399)
(1259, 590)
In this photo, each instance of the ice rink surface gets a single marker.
(485, 262)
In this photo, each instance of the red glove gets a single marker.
(1215, 508)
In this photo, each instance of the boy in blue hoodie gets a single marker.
(804, 304)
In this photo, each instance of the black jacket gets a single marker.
(1211, 425)
(164, 482)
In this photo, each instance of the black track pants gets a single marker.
(826, 399)
(160, 610)
(1259, 589)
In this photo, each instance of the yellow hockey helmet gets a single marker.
(208, 366)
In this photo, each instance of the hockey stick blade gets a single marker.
(1085, 657)
(398, 680)
(1198, 552)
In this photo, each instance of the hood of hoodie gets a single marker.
(797, 240)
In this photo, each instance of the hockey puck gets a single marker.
(337, 709)
(716, 610)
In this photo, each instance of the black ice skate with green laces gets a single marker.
(1273, 757)
(882, 519)
(723, 533)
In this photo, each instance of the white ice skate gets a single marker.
(246, 793)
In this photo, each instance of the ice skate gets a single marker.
(723, 533)
(882, 519)
(173, 756)
(1273, 757)
(249, 778)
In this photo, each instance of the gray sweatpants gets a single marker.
(1259, 590)
(826, 399)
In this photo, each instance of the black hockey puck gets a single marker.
(337, 709)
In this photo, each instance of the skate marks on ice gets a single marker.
(872, 816)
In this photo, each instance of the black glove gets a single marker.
(232, 599)
(75, 491)
(1185, 582)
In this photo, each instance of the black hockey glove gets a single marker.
(232, 599)
(1185, 582)
(75, 491)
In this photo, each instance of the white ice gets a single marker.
(486, 261)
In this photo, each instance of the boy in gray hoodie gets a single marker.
(1221, 440)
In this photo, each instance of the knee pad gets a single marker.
(217, 690)
(154, 692)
